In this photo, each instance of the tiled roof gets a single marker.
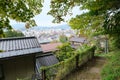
(46, 60)
(50, 47)
(18, 46)
(79, 40)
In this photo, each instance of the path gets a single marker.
(89, 71)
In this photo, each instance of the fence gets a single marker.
(60, 70)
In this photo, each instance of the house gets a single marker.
(77, 41)
(47, 58)
(18, 58)
(21, 58)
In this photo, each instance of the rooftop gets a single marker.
(18, 46)
(50, 47)
(78, 39)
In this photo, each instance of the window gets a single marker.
(1, 72)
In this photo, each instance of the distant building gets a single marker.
(77, 41)
(50, 47)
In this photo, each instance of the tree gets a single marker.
(87, 24)
(63, 38)
(13, 33)
(19, 10)
(108, 12)
(25, 10)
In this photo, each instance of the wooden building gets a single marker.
(47, 58)
(77, 41)
(18, 58)
(21, 58)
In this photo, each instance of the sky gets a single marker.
(46, 20)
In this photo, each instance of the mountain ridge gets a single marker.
(21, 27)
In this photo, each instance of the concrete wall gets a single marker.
(18, 68)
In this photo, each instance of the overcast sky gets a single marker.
(46, 20)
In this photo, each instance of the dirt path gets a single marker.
(89, 71)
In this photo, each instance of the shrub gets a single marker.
(65, 51)
(1, 50)
(13, 34)
(63, 68)
(111, 70)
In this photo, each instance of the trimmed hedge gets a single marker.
(63, 68)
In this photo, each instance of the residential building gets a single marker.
(21, 58)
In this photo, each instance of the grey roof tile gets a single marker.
(46, 60)
(19, 46)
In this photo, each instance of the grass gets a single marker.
(111, 70)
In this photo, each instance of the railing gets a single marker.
(60, 70)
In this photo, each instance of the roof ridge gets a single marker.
(15, 38)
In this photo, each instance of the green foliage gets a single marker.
(111, 70)
(19, 10)
(115, 41)
(1, 50)
(102, 16)
(87, 25)
(61, 8)
(63, 39)
(65, 51)
(63, 68)
(24, 78)
(14, 33)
